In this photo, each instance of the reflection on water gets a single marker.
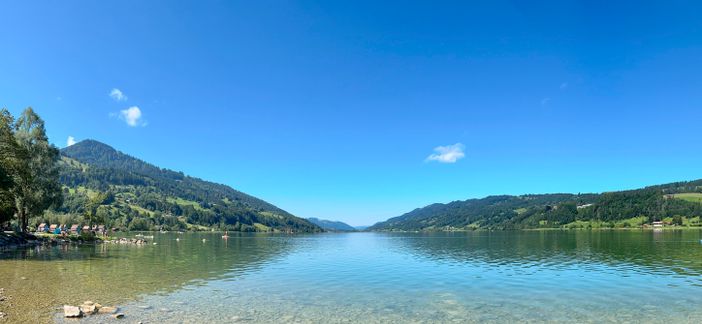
(557, 276)
(114, 273)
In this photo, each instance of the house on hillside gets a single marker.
(584, 206)
(75, 229)
(657, 224)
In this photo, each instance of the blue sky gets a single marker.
(363, 110)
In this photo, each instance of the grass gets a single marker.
(141, 209)
(690, 196)
(82, 190)
(183, 202)
(261, 227)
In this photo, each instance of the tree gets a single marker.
(93, 204)
(37, 177)
(8, 150)
(677, 220)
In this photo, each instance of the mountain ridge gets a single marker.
(676, 202)
(144, 190)
(331, 225)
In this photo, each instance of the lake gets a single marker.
(503, 276)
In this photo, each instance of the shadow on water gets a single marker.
(115, 273)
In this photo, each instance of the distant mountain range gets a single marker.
(677, 203)
(139, 195)
(332, 225)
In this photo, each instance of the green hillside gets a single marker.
(334, 226)
(140, 196)
(675, 203)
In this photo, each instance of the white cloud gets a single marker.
(545, 101)
(132, 116)
(448, 153)
(118, 95)
(70, 141)
(564, 85)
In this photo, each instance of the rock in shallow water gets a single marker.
(88, 309)
(107, 310)
(118, 315)
(71, 311)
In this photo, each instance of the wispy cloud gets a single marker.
(132, 116)
(448, 153)
(564, 85)
(118, 95)
(70, 141)
(545, 101)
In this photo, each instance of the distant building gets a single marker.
(584, 206)
(657, 224)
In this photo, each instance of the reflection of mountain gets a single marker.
(116, 273)
(667, 251)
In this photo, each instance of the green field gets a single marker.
(691, 197)
(183, 202)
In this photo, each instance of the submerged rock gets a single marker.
(107, 310)
(72, 311)
(118, 315)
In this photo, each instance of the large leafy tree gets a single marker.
(8, 164)
(37, 177)
(93, 204)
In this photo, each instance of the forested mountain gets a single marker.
(676, 203)
(332, 225)
(139, 195)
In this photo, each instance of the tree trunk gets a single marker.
(24, 222)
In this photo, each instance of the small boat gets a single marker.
(204, 240)
(226, 235)
(177, 238)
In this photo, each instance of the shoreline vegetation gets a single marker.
(14, 240)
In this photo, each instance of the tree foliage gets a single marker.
(36, 186)
(8, 164)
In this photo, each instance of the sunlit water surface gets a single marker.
(520, 276)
